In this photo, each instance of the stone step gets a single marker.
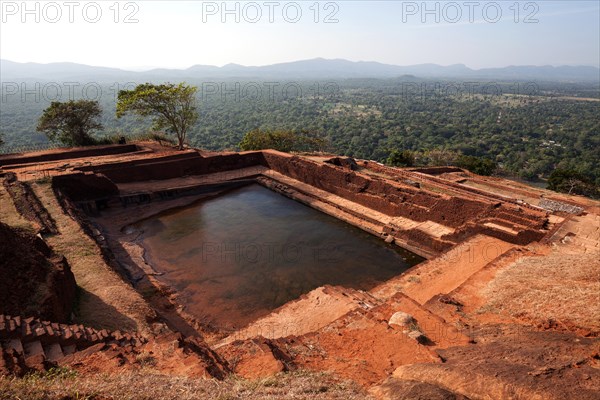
(37, 341)
(33, 348)
(3, 365)
(15, 344)
(53, 352)
(70, 349)
(34, 354)
(501, 228)
(434, 229)
(11, 325)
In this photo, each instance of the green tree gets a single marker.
(72, 122)
(477, 165)
(282, 140)
(172, 107)
(572, 182)
(440, 157)
(404, 158)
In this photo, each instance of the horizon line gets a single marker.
(147, 69)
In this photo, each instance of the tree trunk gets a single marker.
(181, 139)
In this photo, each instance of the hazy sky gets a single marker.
(178, 34)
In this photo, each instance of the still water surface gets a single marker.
(236, 257)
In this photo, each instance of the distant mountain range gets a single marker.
(317, 68)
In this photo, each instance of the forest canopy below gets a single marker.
(528, 129)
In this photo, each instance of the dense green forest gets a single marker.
(528, 129)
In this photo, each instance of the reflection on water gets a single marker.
(236, 257)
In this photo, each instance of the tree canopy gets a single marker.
(528, 136)
(404, 158)
(282, 140)
(172, 107)
(477, 165)
(72, 122)
(572, 182)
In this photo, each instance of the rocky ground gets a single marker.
(486, 319)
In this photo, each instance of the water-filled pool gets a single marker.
(235, 257)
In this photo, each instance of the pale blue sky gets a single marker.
(178, 34)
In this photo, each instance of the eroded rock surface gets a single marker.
(34, 281)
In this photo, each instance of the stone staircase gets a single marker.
(31, 344)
